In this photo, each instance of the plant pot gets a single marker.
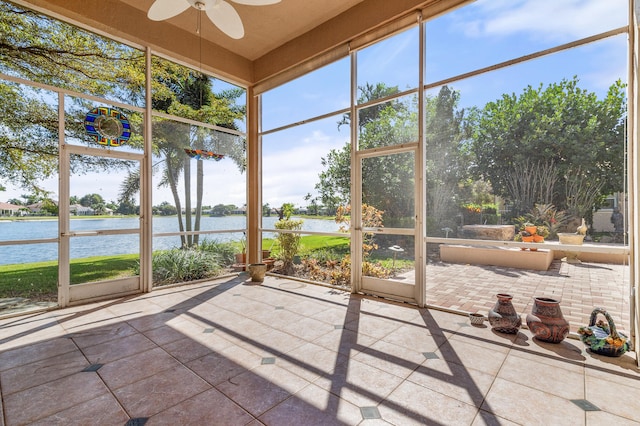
(257, 272)
(527, 239)
(546, 321)
(538, 238)
(503, 317)
(476, 318)
(241, 257)
(568, 238)
(266, 254)
(531, 229)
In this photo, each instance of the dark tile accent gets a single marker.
(464, 324)
(338, 326)
(585, 405)
(279, 308)
(138, 421)
(170, 310)
(92, 368)
(208, 330)
(430, 355)
(370, 413)
(237, 294)
(268, 360)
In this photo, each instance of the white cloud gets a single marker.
(548, 19)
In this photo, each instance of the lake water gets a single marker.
(119, 244)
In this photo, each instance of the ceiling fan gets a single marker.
(220, 12)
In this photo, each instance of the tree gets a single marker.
(559, 145)
(49, 51)
(91, 200)
(387, 181)
(446, 158)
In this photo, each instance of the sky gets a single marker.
(483, 33)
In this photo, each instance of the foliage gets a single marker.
(371, 218)
(543, 215)
(446, 158)
(289, 242)
(181, 265)
(525, 145)
(224, 251)
(388, 179)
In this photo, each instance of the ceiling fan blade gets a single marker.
(165, 9)
(256, 2)
(225, 17)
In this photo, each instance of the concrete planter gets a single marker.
(257, 272)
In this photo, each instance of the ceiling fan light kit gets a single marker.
(221, 13)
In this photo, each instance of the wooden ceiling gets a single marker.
(277, 37)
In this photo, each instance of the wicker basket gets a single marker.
(603, 338)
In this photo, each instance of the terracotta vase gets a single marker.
(527, 238)
(503, 317)
(533, 230)
(546, 321)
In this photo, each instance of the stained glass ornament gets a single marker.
(107, 126)
(199, 154)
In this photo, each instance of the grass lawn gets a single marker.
(39, 280)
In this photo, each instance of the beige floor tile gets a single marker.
(257, 391)
(216, 367)
(554, 379)
(36, 351)
(603, 418)
(311, 361)
(103, 334)
(313, 406)
(472, 356)
(47, 370)
(126, 371)
(527, 406)
(484, 418)
(118, 348)
(454, 380)
(45, 400)
(613, 397)
(207, 408)
(412, 404)
(359, 383)
(154, 394)
(345, 341)
(416, 338)
(103, 410)
(394, 359)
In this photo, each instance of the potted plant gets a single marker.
(241, 258)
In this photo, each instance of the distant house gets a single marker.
(7, 209)
(80, 210)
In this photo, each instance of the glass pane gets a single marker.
(389, 66)
(101, 126)
(480, 177)
(320, 92)
(388, 191)
(307, 166)
(104, 257)
(28, 152)
(199, 179)
(391, 123)
(28, 275)
(485, 33)
(389, 256)
(69, 57)
(107, 187)
(187, 93)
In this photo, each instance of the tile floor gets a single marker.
(231, 352)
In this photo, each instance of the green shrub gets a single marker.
(177, 265)
(224, 252)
